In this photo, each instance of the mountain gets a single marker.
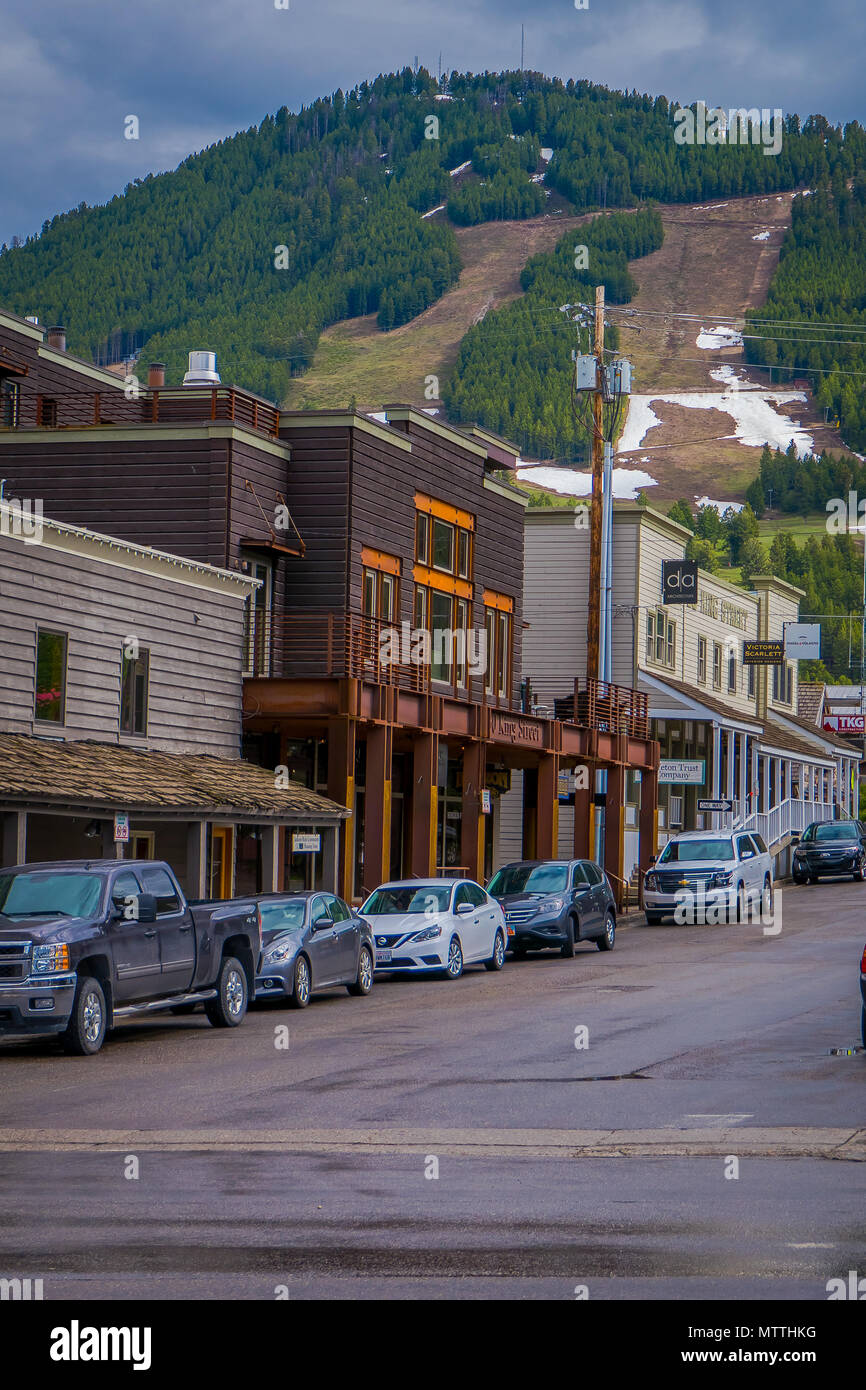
(258, 243)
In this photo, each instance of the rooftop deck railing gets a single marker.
(192, 405)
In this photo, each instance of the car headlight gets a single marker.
(552, 905)
(281, 950)
(720, 880)
(428, 934)
(650, 881)
(48, 960)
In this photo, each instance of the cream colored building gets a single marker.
(737, 723)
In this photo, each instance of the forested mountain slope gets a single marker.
(254, 245)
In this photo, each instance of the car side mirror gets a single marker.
(147, 907)
(795, 839)
(322, 922)
(463, 909)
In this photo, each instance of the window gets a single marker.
(321, 912)
(578, 877)
(717, 666)
(475, 894)
(732, 674)
(440, 624)
(126, 885)
(420, 606)
(464, 558)
(159, 882)
(50, 703)
(745, 848)
(379, 595)
(47, 412)
(702, 660)
(593, 872)
(422, 538)
(443, 545)
(258, 635)
(10, 403)
(751, 682)
(783, 684)
(661, 634)
(461, 638)
(134, 680)
(498, 628)
(339, 910)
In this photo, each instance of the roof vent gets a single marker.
(31, 318)
(202, 370)
(56, 337)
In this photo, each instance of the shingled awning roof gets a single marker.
(810, 699)
(92, 776)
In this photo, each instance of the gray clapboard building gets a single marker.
(121, 673)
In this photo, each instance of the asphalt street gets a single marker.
(664, 1121)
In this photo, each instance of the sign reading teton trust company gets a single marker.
(679, 581)
(682, 772)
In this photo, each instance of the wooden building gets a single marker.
(364, 529)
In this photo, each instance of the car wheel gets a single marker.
(301, 984)
(799, 879)
(566, 950)
(85, 1031)
(364, 982)
(738, 913)
(653, 919)
(497, 960)
(606, 942)
(454, 968)
(230, 1005)
(767, 898)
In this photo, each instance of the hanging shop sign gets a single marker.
(679, 581)
(682, 772)
(763, 653)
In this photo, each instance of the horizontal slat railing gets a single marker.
(86, 409)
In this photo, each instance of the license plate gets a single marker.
(383, 957)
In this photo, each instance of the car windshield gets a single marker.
(695, 851)
(529, 878)
(396, 902)
(287, 916)
(50, 894)
(831, 830)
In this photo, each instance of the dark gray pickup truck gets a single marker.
(86, 942)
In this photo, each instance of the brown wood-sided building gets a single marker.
(383, 656)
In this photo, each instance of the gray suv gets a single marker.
(555, 902)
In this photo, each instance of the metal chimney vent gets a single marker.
(202, 370)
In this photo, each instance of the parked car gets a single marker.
(84, 943)
(438, 925)
(555, 902)
(829, 848)
(311, 941)
(721, 871)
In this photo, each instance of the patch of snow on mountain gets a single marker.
(433, 210)
(762, 236)
(460, 168)
(720, 337)
(627, 482)
(757, 419)
(546, 153)
(721, 507)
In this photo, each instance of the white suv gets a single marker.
(724, 873)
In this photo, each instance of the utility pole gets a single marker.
(595, 515)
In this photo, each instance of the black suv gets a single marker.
(555, 902)
(830, 847)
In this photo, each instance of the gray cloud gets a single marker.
(195, 71)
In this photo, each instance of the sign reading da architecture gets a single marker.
(682, 772)
(679, 581)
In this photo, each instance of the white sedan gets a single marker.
(425, 926)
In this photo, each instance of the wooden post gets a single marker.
(614, 829)
(341, 788)
(472, 819)
(547, 809)
(14, 838)
(425, 793)
(594, 607)
(377, 807)
(649, 819)
(583, 819)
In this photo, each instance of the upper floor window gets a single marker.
(751, 686)
(50, 703)
(732, 674)
(443, 537)
(498, 619)
(257, 637)
(379, 585)
(661, 633)
(10, 403)
(134, 682)
(47, 412)
(702, 660)
(717, 665)
(783, 683)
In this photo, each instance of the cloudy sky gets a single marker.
(193, 71)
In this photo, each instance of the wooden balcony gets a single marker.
(612, 709)
(187, 405)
